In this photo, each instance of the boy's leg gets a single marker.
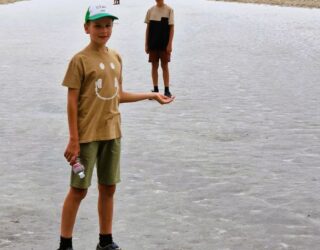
(154, 74)
(108, 170)
(70, 209)
(77, 192)
(165, 59)
(165, 73)
(105, 207)
(68, 217)
(154, 60)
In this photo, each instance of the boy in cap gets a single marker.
(94, 82)
(158, 41)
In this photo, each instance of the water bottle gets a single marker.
(78, 168)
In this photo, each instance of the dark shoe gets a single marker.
(69, 248)
(112, 246)
(168, 94)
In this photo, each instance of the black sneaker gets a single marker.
(167, 93)
(69, 248)
(112, 246)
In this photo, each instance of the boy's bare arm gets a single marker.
(73, 147)
(171, 34)
(135, 97)
(147, 38)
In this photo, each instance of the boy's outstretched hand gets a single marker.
(162, 99)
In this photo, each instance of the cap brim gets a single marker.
(101, 15)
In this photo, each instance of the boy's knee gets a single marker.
(164, 65)
(155, 65)
(107, 190)
(78, 194)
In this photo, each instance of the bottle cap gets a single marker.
(81, 175)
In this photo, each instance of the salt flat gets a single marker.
(233, 163)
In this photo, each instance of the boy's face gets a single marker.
(99, 30)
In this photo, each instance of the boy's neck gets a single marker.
(98, 47)
(160, 4)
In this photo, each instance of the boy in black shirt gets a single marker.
(158, 42)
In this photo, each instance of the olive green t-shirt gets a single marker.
(97, 75)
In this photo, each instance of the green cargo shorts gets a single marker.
(106, 156)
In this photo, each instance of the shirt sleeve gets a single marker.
(74, 74)
(171, 17)
(147, 19)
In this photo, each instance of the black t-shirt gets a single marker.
(159, 20)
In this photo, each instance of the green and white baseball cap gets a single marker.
(97, 11)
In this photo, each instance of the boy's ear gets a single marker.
(86, 28)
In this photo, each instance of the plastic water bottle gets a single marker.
(78, 168)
